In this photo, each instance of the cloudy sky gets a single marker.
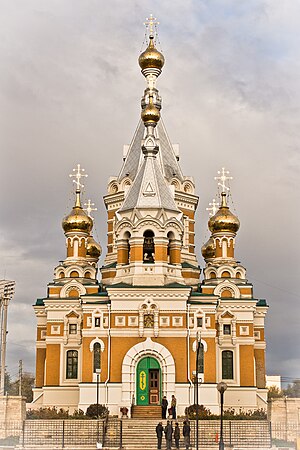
(70, 91)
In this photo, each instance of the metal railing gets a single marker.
(70, 433)
(236, 433)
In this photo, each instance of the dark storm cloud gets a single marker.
(70, 91)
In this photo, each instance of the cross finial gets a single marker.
(78, 174)
(223, 177)
(150, 24)
(213, 207)
(89, 208)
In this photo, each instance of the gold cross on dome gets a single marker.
(213, 207)
(150, 24)
(89, 208)
(78, 174)
(223, 177)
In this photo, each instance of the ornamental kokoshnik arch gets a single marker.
(148, 385)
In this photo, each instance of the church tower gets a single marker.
(137, 330)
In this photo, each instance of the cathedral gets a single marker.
(127, 333)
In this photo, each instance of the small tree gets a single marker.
(92, 411)
(293, 390)
(274, 392)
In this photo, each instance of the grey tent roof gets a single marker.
(166, 155)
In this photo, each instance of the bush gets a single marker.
(54, 413)
(91, 412)
(203, 413)
(228, 414)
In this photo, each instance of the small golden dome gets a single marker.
(208, 250)
(93, 249)
(151, 58)
(150, 114)
(224, 220)
(77, 220)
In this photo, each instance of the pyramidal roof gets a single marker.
(166, 156)
(150, 190)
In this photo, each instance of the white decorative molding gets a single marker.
(95, 341)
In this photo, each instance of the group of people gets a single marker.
(170, 433)
(164, 407)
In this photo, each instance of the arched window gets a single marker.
(225, 274)
(97, 356)
(212, 275)
(72, 364)
(238, 275)
(227, 365)
(74, 274)
(170, 251)
(201, 359)
(148, 247)
(127, 256)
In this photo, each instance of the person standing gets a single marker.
(159, 434)
(186, 434)
(164, 406)
(168, 434)
(173, 406)
(177, 435)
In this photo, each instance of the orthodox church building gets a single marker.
(136, 325)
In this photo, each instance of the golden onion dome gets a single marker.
(224, 220)
(150, 114)
(208, 250)
(77, 220)
(93, 249)
(151, 58)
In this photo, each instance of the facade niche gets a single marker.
(171, 248)
(127, 236)
(148, 247)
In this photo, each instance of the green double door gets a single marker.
(148, 382)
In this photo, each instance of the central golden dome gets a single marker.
(224, 220)
(151, 58)
(77, 220)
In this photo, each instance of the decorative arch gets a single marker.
(203, 342)
(131, 360)
(97, 341)
(227, 285)
(72, 285)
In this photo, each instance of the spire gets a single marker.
(150, 189)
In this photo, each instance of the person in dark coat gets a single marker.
(168, 435)
(159, 434)
(173, 406)
(164, 406)
(177, 435)
(186, 434)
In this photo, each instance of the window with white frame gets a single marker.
(72, 364)
(199, 321)
(227, 329)
(89, 321)
(72, 328)
(97, 322)
(192, 321)
(105, 321)
(207, 322)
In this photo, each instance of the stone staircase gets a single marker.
(145, 412)
(140, 433)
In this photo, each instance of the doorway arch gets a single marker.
(131, 360)
(148, 381)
